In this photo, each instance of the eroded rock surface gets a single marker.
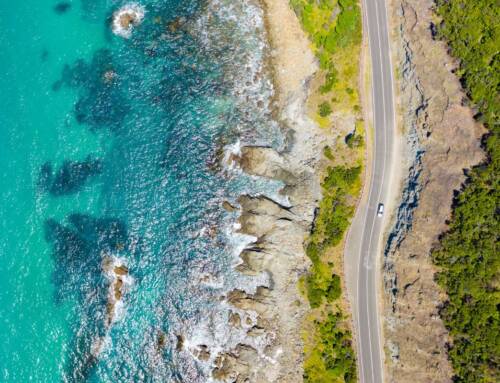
(279, 231)
(442, 141)
(271, 316)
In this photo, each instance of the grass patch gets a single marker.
(334, 28)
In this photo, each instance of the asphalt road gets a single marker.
(363, 247)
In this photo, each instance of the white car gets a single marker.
(380, 210)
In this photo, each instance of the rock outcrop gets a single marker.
(126, 19)
(279, 231)
(278, 228)
(442, 140)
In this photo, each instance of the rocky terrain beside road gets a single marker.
(442, 140)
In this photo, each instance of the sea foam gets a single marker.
(127, 18)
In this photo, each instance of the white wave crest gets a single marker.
(127, 18)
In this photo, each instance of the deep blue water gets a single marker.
(111, 148)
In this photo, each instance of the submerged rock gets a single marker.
(161, 340)
(109, 76)
(62, 7)
(70, 178)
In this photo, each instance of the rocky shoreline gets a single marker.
(442, 140)
(280, 230)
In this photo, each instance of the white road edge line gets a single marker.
(370, 193)
(378, 195)
(393, 164)
(361, 375)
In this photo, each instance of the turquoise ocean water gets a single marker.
(111, 148)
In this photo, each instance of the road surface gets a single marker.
(363, 247)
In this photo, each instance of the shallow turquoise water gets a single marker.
(109, 148)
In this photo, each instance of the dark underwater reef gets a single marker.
(79, 249)
(165, 71)
(70, 177)
(62, 7)
(101, 103)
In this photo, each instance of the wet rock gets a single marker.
(228, 207)
(253, 262)
(121, 270)
(180, 343)
(161, 341)
(261, 215)
(176, 24)
(256, 331)
(118, 289)
(202, 353)
(127, 18)
(236, 366)
(234, 320)
(257, 302)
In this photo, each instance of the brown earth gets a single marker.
(442, 141)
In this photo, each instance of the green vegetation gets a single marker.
(323, 366)
(329, 36)
(468, 255)
(334, 28)
(354, 140)
(331, 359)
(325, 109)
(327, 151)
(332, 220)
(472, 29)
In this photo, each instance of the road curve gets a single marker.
(363, 243)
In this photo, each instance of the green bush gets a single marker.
(340, 180)
(327, 151)
(354, 140)
(324, 109)
(334, 289)
(330, 34)
(468, 254)
(347, 30)
(473, 33)
(331, 78)
(334, 359)
(332, 220)
(334, 28)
